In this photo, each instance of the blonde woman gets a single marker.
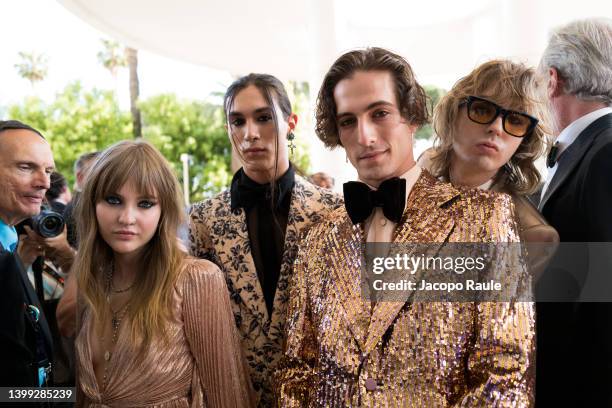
(156, 328)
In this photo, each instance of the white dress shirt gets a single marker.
(569, 135)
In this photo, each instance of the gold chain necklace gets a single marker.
(116, 318)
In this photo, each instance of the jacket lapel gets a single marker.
(347, 243)
(425, 221)
(32, 299)
(241, 267)
(296, 220)
(573, 155)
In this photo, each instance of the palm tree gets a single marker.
(33, 67)
(112, 57)
(132, 59)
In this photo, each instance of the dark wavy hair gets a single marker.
(411, 97)
(58, 184)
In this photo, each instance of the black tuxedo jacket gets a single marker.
(17, 331)
(574, 340)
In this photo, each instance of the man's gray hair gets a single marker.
(581, 52)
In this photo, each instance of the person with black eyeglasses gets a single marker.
(488, 136)
(353, 343)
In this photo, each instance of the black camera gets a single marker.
(47, 223)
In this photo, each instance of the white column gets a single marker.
(326, 28)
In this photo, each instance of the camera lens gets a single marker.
(48, 224)
(51, 223)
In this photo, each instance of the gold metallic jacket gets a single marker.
(341, 352)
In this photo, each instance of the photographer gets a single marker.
(46, 236)
(58, 195)
(81, 170)
(26, 162)
(56, 249)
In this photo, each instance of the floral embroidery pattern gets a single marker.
(221, 235)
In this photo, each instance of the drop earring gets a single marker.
(290, 138)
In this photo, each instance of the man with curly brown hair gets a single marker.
(345, 349)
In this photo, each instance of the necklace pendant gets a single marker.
(115, 323)
(107, 355)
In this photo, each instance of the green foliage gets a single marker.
(76, 122)
(80, 121)
(298, 93)
(435, 94)
(193, 127)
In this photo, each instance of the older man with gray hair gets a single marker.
(574, 353)
(26, 347)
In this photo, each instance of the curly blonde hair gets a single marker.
(514, 86)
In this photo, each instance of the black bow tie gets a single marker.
(248, 194)
(253, 196)
(360, 200)
(551, 159)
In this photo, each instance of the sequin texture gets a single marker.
(342, 352)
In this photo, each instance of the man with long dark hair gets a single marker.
(252, 230)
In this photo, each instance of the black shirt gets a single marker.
(266, 223)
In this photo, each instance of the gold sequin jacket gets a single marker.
(341, 352)
(221, 235)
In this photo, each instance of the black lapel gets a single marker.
(573, 155)
(32, 299)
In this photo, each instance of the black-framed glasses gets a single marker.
(517, 124)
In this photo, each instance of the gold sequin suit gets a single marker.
(342, 353)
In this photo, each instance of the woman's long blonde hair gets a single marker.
(139, 163)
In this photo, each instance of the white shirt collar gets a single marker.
(486, 185)
(569, 135)
(377, 227)
(571, 132)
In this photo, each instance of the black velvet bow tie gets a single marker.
(249, 196)
(360, 200)
(551, 159)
